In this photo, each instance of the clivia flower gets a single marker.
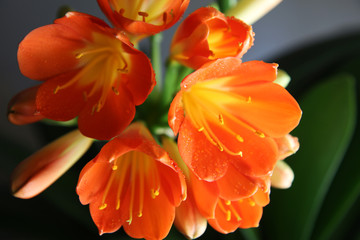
(227, 114)
(41, 169)
(227, 204)
(88, 70)
(144, 17)
(207, 35)
(132, 183)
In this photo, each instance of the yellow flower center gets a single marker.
(222, 43)
(210, 104)
(101, 63)
(143, 10)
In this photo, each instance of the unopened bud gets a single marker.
(22, 107)
(40, 170)
(249, 11)
(283, 175)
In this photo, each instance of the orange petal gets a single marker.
(234, 185)
(199, 154)
(62, 105)
(176, 113)
(115, 115)
(40, 170)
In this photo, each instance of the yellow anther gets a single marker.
(221, 119)
(228, 202)
(103, 206)
(79, 55)
(260, 134)
(164, 17)
(201, 129)
(239, 138)
(248, 100)
(251, 202)
(115, 90)
(139, 214)
(144, 15)
(154, 193)
(118, 204)
(56, 89)
(115, 167)
(228, 215)
(129, 220)
(240, 153)
(220, 147)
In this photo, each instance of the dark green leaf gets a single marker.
(324, 132)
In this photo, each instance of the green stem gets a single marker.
(183, 72)
(170, 83)
(156, 60)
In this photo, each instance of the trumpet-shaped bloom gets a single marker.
(227, 113)
(227, 204)
(144, 17)
(207, 35)
(40, 170)
(89, 71)
(132, 183)
(22, 107)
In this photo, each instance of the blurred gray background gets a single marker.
(293, 24)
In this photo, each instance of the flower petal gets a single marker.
(199, 154)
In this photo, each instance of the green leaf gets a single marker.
(325, 132)
(344, 192)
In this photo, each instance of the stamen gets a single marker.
(141, 186)
(239, 138)
(154, 193)
(260, 134)
(248, 100)
(56, 89)
(233, 210)
(201, 129)
(240, 153)
(114, 167)
(221, 148)
(133, 182)
(251, 202)
(115, 91)
(143, 14)
(103, 206)
(164, 18)
(221, 119)
(228, 202)
(228, 215)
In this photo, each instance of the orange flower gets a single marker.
(143, 17)
(132, 183)
(22, 107)
(227, 113)
(229, 203)
(89, 71)
(207, 35)
(40, 170)
(226, 215)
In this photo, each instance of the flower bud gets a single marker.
(40, 170)
(22, 108)
(283, 175)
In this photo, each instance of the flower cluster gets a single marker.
(230, 120)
